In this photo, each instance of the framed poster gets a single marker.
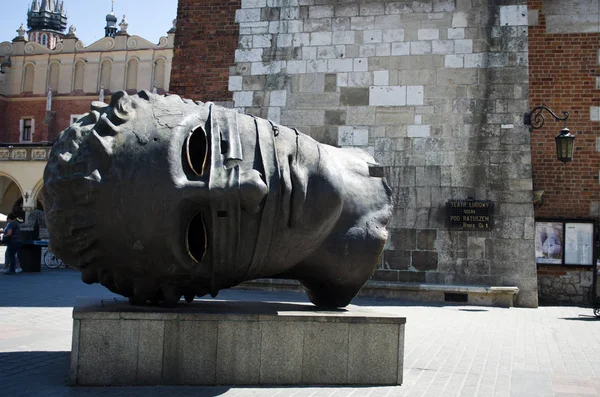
(579, 243)
(549, 242)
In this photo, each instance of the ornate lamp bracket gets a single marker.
(535, 119)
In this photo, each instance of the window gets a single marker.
(43, 39)
(27, 126)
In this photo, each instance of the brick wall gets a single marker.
(564, 70)
(206, 39)
(16, 109)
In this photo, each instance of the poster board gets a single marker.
(564, 242)
(579, 243)
(549, 242)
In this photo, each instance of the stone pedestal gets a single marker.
(211, 342)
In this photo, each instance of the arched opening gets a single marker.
(105, 70)
(44, 39)
(53, 74)
(159, 73)
(28, 78)
(132, 74)
(11, 198)
(78, 78)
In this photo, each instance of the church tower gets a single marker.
(47, 22)
(111, 22)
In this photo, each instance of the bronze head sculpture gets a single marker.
(158, 197)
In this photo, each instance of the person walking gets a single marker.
(12, 239)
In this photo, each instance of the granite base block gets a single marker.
(213, 342)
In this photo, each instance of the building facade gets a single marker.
(434, 90)
(50, 77)
(564, 74)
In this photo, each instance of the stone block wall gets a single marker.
(435, 91)
(564, 72)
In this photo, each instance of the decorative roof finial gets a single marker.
(123, 25)
(21, 31)
(112, 8)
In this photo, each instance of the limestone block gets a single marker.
(382, 77)
(456, 33)
(443, 5)
(454, 61)
(414, 95)
(339, 65)
(428, 34)
(420, 47)
(383, 50)
(346, 10)
(320, 38)
(459, 20)
(352, 136)
(372, 36)
(463, 46)
(235, 83)
(343, 37)
(419, 130)
(247, 15)
(361, 65)
(387, 96)
(254, 3)
(243, 98)
(442, 47)
(363, 23)
(513, 15)
(388, 21)
(400, 49)
(253, 55)
(393, 35)
(371, 9)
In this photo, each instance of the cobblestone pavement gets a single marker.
(450, 350)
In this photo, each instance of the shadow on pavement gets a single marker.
(581, 318)
(46, 374)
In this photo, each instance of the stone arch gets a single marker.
(11, 192)
(36, 192)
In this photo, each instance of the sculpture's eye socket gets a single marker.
(196, 150)
(196, 240)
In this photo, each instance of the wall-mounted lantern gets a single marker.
(565, 141)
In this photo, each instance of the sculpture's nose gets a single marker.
(253, 190)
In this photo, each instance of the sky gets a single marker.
(149, 19)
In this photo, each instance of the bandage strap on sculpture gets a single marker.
(265, 141)
(225, 154)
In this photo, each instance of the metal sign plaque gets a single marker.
(475, 215)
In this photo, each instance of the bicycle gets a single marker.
(52, 261)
